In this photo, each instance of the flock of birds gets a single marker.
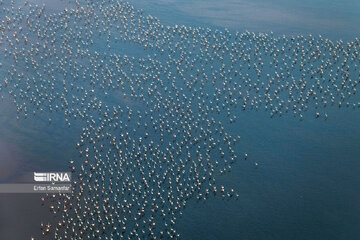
(154, 102)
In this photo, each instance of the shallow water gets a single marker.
(303, 188)
(305, 184)
(333, 19)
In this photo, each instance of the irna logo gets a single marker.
(52, 177)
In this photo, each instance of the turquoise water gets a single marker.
(306, 182)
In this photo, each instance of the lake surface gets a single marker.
(333, 19)
(306, 184)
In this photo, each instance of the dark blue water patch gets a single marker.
(41, 146)
(303, 188)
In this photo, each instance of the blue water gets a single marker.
(304, 188)
(337, 19)
(306, 184)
